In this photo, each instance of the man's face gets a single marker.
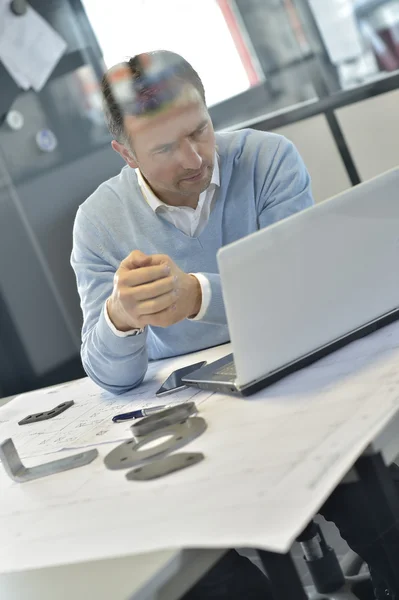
(175, 148)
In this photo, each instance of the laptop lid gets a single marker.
(303, 282)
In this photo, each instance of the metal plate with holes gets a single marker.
(165, 466)
(19, 473)
(45, 415)
(165, 418)
(129, 454)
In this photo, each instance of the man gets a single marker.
(145, 248)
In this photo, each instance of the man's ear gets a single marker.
(125, 153)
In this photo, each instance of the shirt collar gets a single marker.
(216, 172)
(155, 203)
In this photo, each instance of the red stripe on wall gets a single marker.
(239, 42)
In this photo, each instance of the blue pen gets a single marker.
(137, 414)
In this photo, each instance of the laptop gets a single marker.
(308, 285)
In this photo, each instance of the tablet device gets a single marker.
(174, 382)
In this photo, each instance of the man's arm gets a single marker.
(285, 191)
(287, 188)
(115, 363)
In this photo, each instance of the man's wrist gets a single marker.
(119, 325)
(197, 297)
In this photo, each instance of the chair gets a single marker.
(332, 580)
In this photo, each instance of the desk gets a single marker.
(374, 416)
(163, 575)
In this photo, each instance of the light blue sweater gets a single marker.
(262, 180)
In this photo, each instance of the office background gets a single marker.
(324, 74)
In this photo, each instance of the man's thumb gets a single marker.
(137, 259)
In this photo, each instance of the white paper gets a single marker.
(89, 421)
(29, 47)
(13, 69)
(339, 29)
(270, 462)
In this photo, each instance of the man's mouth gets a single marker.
(195, 176)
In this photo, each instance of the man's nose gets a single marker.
(189, 157)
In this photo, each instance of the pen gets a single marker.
(137, 414)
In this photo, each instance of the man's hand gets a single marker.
(152, 290)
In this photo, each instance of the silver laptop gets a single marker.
(308, 285)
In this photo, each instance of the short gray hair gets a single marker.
(183, 72)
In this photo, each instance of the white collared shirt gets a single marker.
(190, 221)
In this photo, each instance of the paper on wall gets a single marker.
(29, 47)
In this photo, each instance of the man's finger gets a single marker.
(136, 260)
(147, 275)
(154, 289)
(165, 318)
(159, 259)
(136, 277)
(156, 305)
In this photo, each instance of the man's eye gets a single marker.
(163, 150)
(201, 130)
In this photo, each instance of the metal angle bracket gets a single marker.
(130, 454)
(19, 473)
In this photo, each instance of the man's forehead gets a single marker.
(177, 119)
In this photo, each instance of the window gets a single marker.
(198, 30)
(257, 57)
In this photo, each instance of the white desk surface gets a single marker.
(165, 575)
(348, 400)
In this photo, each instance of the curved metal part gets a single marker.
(164, 418)
(165, 466)
(129, 454)
(19, 473)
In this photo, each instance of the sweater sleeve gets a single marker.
(285, 190)
(115, 363)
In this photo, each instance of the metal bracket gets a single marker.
(165, 466)
(46, 414)
(19, 473)
(129, 454)
(165, 418)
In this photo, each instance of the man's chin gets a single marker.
(196, 187)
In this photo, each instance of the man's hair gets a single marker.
(181, 72)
